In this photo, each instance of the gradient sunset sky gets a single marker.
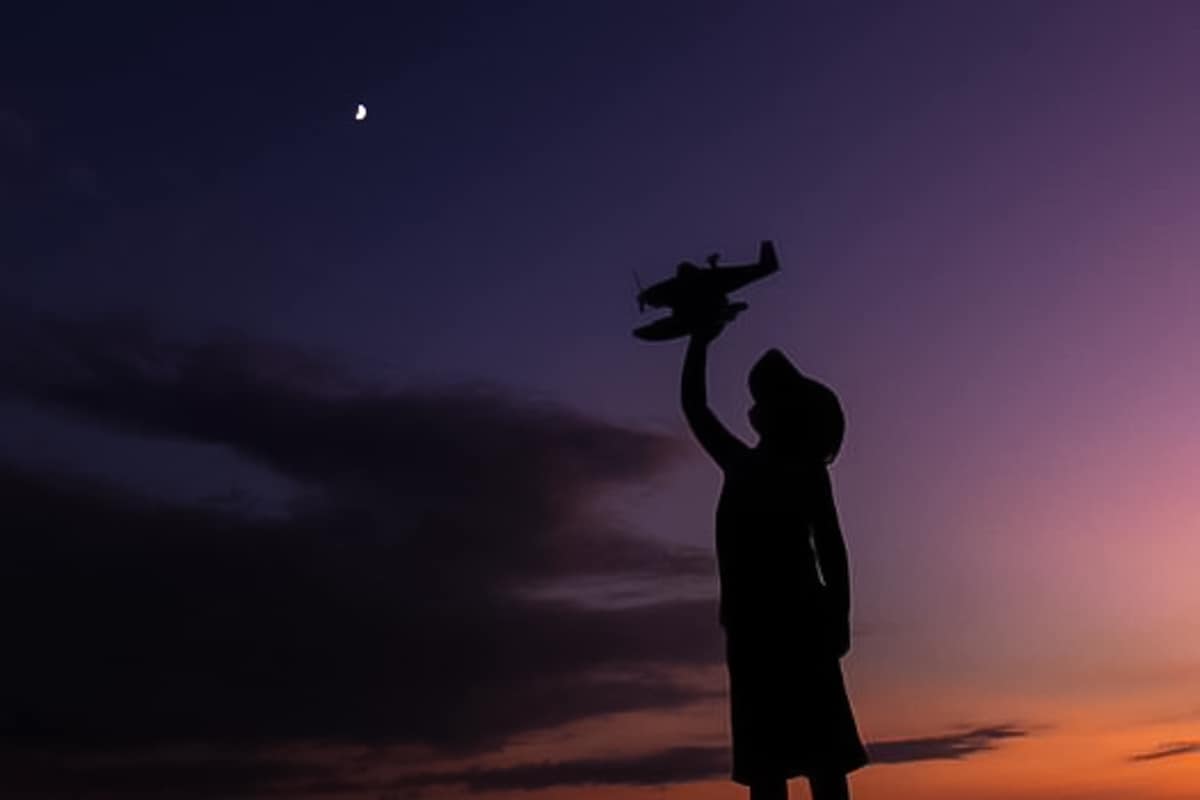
(330, 467)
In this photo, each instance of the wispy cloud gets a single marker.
(952, 746)
(675, 765)
(1167, 750)
(687, 764)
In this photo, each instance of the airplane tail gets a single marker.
(767, 259)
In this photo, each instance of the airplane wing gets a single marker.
(660, 295)
(675, 326)
(663, 329)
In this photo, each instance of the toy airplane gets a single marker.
(698, 296)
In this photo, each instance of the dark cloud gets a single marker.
(33, 775)
(951, 746)
(676, 765)
(1167, 750)
(392, 604)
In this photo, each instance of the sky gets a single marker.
(330, 467)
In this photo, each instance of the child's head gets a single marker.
(794, 411)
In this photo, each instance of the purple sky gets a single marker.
(988, 217)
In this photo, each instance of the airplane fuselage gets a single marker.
(698, 296)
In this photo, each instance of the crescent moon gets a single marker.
(361, 113)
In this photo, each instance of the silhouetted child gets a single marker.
(785, 579)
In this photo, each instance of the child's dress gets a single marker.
(789, 712)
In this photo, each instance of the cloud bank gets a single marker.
(394, 603)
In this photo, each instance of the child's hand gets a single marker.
(708, 331)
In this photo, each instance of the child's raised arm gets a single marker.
(716, 440)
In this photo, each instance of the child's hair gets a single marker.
(797, 406)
